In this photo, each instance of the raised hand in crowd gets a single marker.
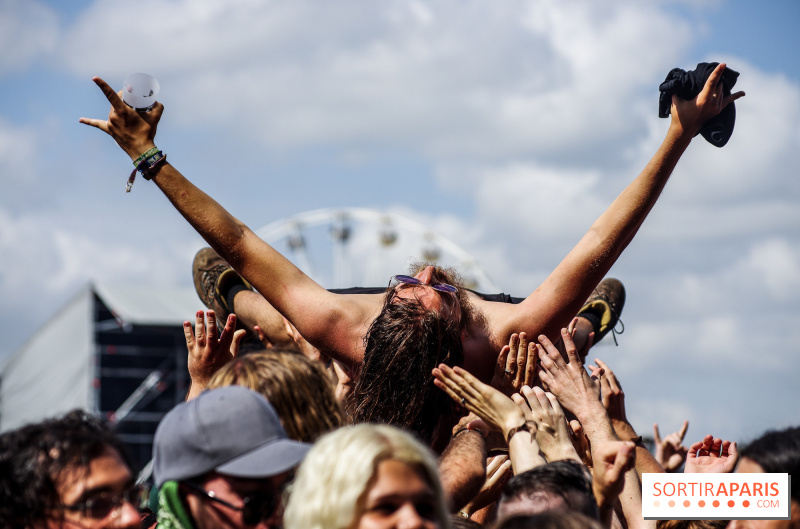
(712, 455)
(552, 431)
(207, 351)
(516, 365)
(133, 131)
(614, 401)
(462, 465)
(576, 390)
(670, 451)
(497, 410)
(612, 459)
(498, 471)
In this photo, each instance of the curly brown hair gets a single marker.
(35, 459)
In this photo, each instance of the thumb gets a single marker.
(236, 342)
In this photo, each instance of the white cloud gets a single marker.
(17, 147)
(538, 112)
(444, 77)
(776, 264)
(28, 31)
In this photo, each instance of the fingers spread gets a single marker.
(96, 123)
(109, 92)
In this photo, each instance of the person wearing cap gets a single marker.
(221, 460)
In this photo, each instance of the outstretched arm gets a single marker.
(333, 324)
(557, 300)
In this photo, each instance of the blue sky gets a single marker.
(507, 126)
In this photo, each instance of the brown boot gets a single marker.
(604, 307)
(213, 278)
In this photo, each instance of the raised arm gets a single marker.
(558, 298)
(334, 324)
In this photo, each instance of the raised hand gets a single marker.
(133, 131)
(611, 460)
(516, 365)
(612, 395)
(574, 388)
(497, 410)
(691, 115)
(552, 432)
(670, 451)
(498, 471)
(712, 455)
(207, 351)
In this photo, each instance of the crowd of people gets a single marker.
(418, 405)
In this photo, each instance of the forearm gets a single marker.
(645, 462)
(523, 450)
(615, 228)
(220, 229)
(631, 502)
(322, 318)
(566, 289)
(462, 468)
(595, 422)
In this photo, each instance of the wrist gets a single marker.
(590, 411)
(528, 426)
(513, 422)
(136, 151)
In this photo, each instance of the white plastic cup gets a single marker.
(139, 91)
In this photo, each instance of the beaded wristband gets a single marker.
(146, 154)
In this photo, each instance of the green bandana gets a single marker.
(171, 512)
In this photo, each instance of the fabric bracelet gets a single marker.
(522, 428)
(465, 429)
(147, 162)
(146, 154)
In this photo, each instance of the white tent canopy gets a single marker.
(54, 371)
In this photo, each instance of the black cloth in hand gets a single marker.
(686, 85)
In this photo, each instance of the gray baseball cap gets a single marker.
(231, 430)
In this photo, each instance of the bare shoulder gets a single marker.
(343, 337)
(537, 314)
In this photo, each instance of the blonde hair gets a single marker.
(300, 390)
(334, 478)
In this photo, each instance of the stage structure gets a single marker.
(120, 352)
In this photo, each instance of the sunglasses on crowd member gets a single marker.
(257, 507)
(103, 504)
(408, 280)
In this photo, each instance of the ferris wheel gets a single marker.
(347, 247)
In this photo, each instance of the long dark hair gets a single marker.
(394, 384)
